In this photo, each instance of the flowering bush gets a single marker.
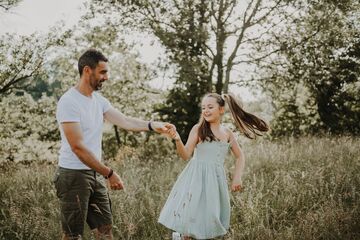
(28, 129)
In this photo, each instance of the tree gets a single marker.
(218, 29)
(22, 58)
(47, 68)
(317, 71)
(28, 129)
(203, 39)
(185, 44)
(8, 4)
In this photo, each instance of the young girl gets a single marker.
(199, 205)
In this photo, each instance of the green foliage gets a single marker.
(22, 58)
(41, 86)
(306, 188)
(181, 108)
(182, 105)
(185, 43)
(202, 40)
(314, 79)
(33, 80)
(338, 95)
(28, 129)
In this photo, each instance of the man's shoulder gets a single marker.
(100, 98)
(67, 97)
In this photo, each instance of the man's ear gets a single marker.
(87, 70)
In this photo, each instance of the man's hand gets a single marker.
(168, 130)
(162, 127)
(115, 182)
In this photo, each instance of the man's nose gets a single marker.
(106, 77)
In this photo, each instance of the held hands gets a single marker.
(172, 133)
(166, 129)
(161, 127)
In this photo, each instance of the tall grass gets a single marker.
(306, 188)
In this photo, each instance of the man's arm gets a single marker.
(73, 133)
(115, 117)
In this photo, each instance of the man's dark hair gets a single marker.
(90, 58)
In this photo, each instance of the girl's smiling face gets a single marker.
(211, 110)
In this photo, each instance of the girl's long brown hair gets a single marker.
(247, 123)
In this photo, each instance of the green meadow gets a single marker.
(306, 188)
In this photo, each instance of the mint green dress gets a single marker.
(199, 205)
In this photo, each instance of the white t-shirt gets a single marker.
(88, 111)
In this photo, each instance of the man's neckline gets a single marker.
(87, 97)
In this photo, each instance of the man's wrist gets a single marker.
(149, 126)
(111, 172)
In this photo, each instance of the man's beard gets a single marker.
(96, 85)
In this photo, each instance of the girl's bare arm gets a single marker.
(236, 184)
(185, 151)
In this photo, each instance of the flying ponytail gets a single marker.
(248, 124)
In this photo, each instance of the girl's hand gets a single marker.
(174, 134)
(171, 132)
(164, 128)
(236, 185)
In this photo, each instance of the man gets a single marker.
(79, 179)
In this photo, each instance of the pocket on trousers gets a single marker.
(56, 177)
(62, 182)
(73, 216)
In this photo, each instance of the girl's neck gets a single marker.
(215, 125)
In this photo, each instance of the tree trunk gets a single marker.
(220, 40)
